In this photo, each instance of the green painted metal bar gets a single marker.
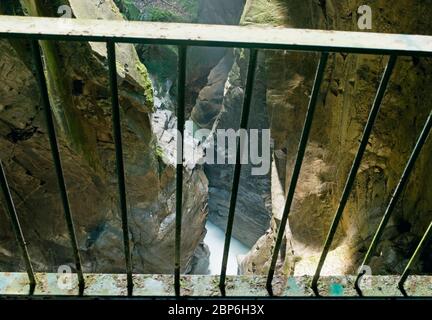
(298, 164)
(355, 166)
(116, 120)
(253, 53)
(414, 258)
(182, 50)
(395, 197)
(40, 75)
(17, 228)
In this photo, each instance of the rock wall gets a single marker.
(80, 97)
(162, 60)
(201, 60)
(218, 107)
(207, 74)
(252, 213)
(346, 96)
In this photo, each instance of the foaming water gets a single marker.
(215, 239)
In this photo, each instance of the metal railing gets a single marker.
(254, 39)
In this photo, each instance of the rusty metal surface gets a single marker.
(213, 35)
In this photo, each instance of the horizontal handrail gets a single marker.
(257, 37)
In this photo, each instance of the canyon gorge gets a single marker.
(77, 77)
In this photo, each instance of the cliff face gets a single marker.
(78, 84)
(253, 202)
(201, 60)
(217, 107)
(162, 60)
(207, 73)
(80, 97)
(346, 97)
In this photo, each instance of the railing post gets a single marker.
(354, 168)
(17, 228)
(182, 56)
(116, 120)
(297, 167)
(40, 75)
(395, 197)
(237, 169)
(423, 242)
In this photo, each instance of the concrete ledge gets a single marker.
(53, 284)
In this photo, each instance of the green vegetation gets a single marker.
(161, 15)
(160, 61)
(159, 152)
(160, 10)
(10, 8)
(191, 7)
(128, 9)
(147, 84)
(265, 12)
(172, 11)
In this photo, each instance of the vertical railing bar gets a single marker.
(298, 164)
(57, 160)
(395, 197)
(237, 169)
(17, 228)
(182, 52)
(355, 166)
(423, 242)
(119, 160)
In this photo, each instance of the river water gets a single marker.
(215, 236)
(215, 239)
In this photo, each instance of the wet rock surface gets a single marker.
(252, 213)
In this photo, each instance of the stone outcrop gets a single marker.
(207, 74)
(201, 60)
(346, 97)
(253, 203)
(162, 60)
(80, 97)
(218, 107)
